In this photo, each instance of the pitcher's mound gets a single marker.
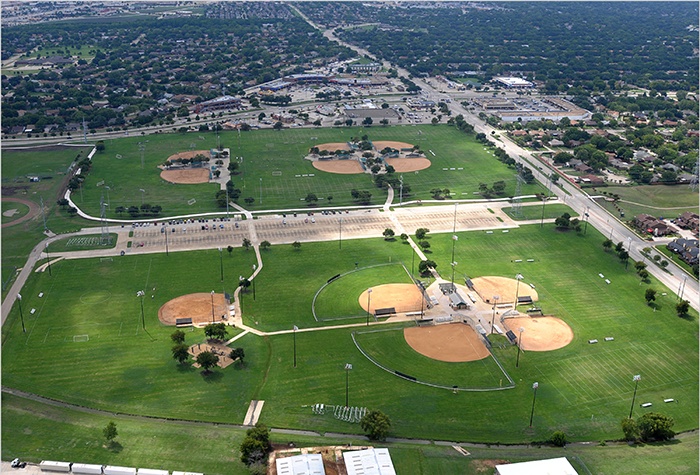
(541, 333)
(197, 306)
(403, 297)
(454, 343)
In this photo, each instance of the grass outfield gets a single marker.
(585, 389)
(390, 349)
(551, 211)
(272, 159)
(55, 433)
(668, 201)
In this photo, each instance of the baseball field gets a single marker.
(87, 326)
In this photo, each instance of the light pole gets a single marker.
(520, 339)
(680, 296)
(212, 306)
(495, 300)
(453, 264)
(221, 263)
(46, 249)
(636, 379)
(348, 367)
(586, 215)
(294, 331)
(535, 385)
(21, 315)
(369, 295)
(260, 190)
(166, 240)
(340, 233)
(108, 205)
(518, 278)
(142, 294)
(253, 282)
(142, 193)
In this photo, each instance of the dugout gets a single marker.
(385, 312)
(525, 299)
(183, 322)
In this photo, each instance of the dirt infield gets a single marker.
(342, 167)
(332, 147)
(408, 164)
(504, 287)
(189, 154)
(403, 297)
(382, 144)
(541, 333)
(34, 210)
(195, 306)
(186, 176)
(454, 343)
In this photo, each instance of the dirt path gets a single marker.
(34, 210)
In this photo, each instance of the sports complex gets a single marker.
(345, 318)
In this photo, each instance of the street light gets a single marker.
(495, 300)
(586, 215)
(142, 192)
(260, 190)
(142, 294)
(21, 315)
(636, 379)
(46, 249)
(535, 385)
(212, 306)
(221, 263)
(518, 278)
(108, 188)
(369, 295)
(520, 339)
(340, 233)
(453, 264)
(348, 367)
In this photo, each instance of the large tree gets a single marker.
(376, 425)
(216, 331)
(207, 359)
(655, 426)
(110, 432)
(180, 353)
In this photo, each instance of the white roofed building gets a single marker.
(369, 462)
(558, 466)
(513, 83)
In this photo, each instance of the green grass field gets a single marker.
(45, 162)
(584, 389)
(656, 200)
(55, 433)
(271, 161)
(551, 211)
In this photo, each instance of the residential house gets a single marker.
(650, 224)
(687, 249)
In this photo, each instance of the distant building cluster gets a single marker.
(528, 109)
(513, 83)
(297, 79)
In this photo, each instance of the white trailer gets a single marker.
(88, 468)
(187, 473)
(115, 470)
(152, 471)
(51, 466)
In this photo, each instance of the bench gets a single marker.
(592, 341)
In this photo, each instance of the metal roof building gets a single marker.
(558, 466)
(369, 462)
(307, 464)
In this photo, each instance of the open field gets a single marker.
(552, 210)
(584, 389)
(668, 201)
(18, 240)
(156, 444)
(274, 161)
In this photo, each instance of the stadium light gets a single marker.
(142, 294)
(369, 300)
(294, 331)
(21, 315)
(636, 380)
(518, 278)
(535, 385)
(348, 367)
(520, 338)
(212, 306)
(495, 300)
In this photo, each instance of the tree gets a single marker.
(376, 425)
(246, 244)
(682, 308)
(244, 283)
(230, 250)
(296, 245)
(311, 199)
(265, 245)
(64, 202)
(207, 359)
(424, 267)
(100, 146)
(256, 445)
(655, 426)
(404, 237)
(630, 429)
(607, 245)
(367, 121)
(563, 221)
(644, 274)
(388, 234)
(110, 432)
(650, 296)
(425, 245)
(237, 354)
(639, 266)
(178, 336)
(421, 233)
(215, 331)
(558, 439)
(180, 353)
(278, 125)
